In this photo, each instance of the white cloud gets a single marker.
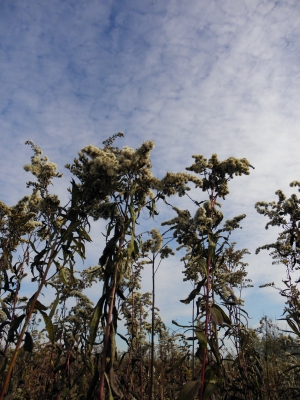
(205, 78)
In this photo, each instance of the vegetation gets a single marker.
(67, 349)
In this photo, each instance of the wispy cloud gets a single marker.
(204, 77)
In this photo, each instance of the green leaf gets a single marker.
(210, 388)
(55, 304)
(62, 276)
(75, 191)
(84, 233)
(152, 209)
(136, 248)
(130, 248)
(79, 248)
(189, 390)
(220, 314)
(39, 306)
(203, 265)
(176, 365)
(95, 320)
(201, 338)
(215, 349)
(133, 215)
(293, 326)
(216, 316)
(49, 325)
(211, 247)
(113, 346)
(114, 383)
(109, 388)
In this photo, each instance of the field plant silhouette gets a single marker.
(68, 349)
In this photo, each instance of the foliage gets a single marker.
(68, 349)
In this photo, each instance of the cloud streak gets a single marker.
(217, 77)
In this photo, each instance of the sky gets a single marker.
(197, 77)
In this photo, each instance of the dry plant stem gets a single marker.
(131, 344)
(152, 332)
(20, 269)
(206, 330)
(141, 356)
(107, 333)
(27, 320)
(207, 316)
(193, 344)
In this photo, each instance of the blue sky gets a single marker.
(195, 76)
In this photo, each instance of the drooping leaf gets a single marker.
(95, 378)
(14, 325)
(181, 326)
(28, 344)
(55, 304)
(201, 338)
(194, 292)
(62, 276)
(217, 316)
(75, 192)
(220, 311)
(189, 390)
(293, 326)
(110, 395)
(38, 257)
(214, 347)
(48, 325)
(39, 306)
(114, 383)
(120, 294)
(95, 320)
(191, 297)
(211, 248)
(109, 250)
(130, 248)
(123, 337)
(136, 248)
(210, 389)
(176, 365)
(203, 265)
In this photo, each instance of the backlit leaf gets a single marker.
(210, 388)
(201, 338)
(55, 304)
(95, 320)
(176, 365)
(14, 325)
(49, 326)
